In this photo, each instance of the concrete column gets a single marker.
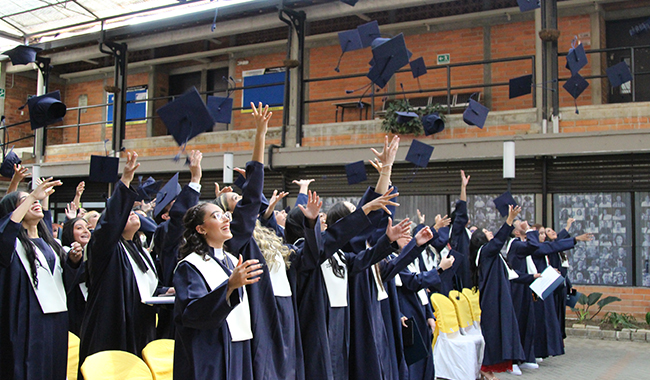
(540, 91)
(293, 91)
(151, 85)
(39, 133)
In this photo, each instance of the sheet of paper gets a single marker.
(545, 285)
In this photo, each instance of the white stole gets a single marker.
(279, 279)
(337, 287)
(381, 292)
(511, 273)
(50, 292)
(147, 281)
(414, 267)
(239, 319)
(82, 285)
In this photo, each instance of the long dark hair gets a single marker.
(67, 235)
(293, 227)
(336, 213)
(193, 241)
(7, 205)
(475, 243)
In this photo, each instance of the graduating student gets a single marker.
(120, 274)
(560, 262)
(211, 311)
(414, 303)
(75, 238)
(498, 319)
(33, 318)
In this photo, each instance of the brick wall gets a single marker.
(634, 300)
(570, 27)
(18, 88)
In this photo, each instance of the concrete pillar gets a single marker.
(151, 85)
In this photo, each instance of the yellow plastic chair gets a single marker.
(159, 356)
(73, 356)
(474, 303)
(456, 356)
(463, 310)
(115, 365)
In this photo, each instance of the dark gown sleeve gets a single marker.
(389, 269)
(460, 221)
(200, 307)
(524, 278)
(443, 239)
(357, 262)
(110, 226)
(418, 281)
(563, 234)
(246, 211)
(272, 223)
(340, 233)
(307, 253)
(302, 199)
(493, 247)
(8, 234)
(547, 248)
(47, 218)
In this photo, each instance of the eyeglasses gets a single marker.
(221, 216)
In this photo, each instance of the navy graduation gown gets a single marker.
(115, 318)
(75, 298)
(498, 319)
(411, 307)
(560, 293)
(459, 242)
(204, 348)
(33, 345)
(273, 355)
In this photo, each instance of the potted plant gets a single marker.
(413, 126)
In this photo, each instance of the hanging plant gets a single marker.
(413, 126)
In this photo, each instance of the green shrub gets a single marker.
(414, 126)
(583, 312)
(620, 321)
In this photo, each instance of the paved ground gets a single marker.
(593, 359)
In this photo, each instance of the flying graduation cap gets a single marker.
(388, 58)
(503, 201)
(405, 116)
(103, 169)
(186, 117)
(220, 108)
(419, 154)
(7, 167)
(619, 74)
(432, 124)
(476, 113)
(45, 109)
(576, 59)
(356, 172)
(528, 5)
(167, 194)
(22, 55)
(350, 2)
(575, 86)
(148, 189)
(521, 86)
(368, 33)
(349, 40)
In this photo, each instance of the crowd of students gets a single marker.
(261, 294)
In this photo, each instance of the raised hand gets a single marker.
(20, 172)
(446, 262)
(261, 117)
(313, 206)
(302, 182)
(130, 168)
(241, 171)
(388, 153)
(275, 198)
(421, 217)
(423, 236)
(402, 230)
(146, 207)
(585, 237)
(513, 211)
(441, 221)
(75, 253)
(569, 222)
(195, 166)
(381, 202)
(45, 188)
(464, 179)
(81, 187)
(376, 164)
(245, 273)
(217, 192)
(71, 210)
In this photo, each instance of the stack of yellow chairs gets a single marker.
(159, 356)
(73, 356)
(467, 325)
(474, 302)
(456, 355)
(115, 365)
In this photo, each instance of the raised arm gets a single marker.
(20, 173)
(410, 252)
(493, 247)
(384, 163)
(78, 193)
(302, 193)
(261, 118)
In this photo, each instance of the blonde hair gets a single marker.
(90, 214)
(270, 243)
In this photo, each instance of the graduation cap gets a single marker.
(418, 67)
(521, 86)
(7, 167)
(356, 172)
(419, 153)
(148, 189)
(103, 169)
(147, 225)
(368, 33)
(405, 117)
(220, 109)
(349, 40)
(350, 2)
(572, 298)
(619, 74)
(22, 55)
(186, 117)
(528, 5)
(432, 124)
(475, 114)
(577, 58)
(503, 201)
(45, 109)
(575, 86)
(388, 58)
(167, 194)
